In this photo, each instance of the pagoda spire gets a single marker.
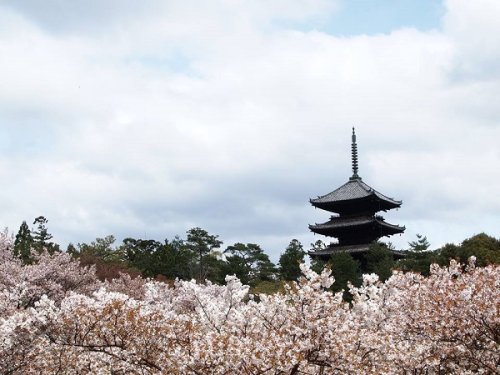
(355, 222)
(354, 153)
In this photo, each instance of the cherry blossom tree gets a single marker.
(56, 318)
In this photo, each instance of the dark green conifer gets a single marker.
(23, 244)
(289, 263)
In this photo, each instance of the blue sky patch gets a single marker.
(370, 17)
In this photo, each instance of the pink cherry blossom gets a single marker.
(57, 318)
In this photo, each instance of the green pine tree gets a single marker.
(289, 262)
(485, 248)
(41, 237)
(249, 263)
(318, 264)
(23, 244)
(421, 244)
(379, 260)
(345, 269)
(418, 258)
(202, 244)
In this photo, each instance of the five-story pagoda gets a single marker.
(355, 223)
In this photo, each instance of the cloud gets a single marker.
(148, 120)
(474, 30)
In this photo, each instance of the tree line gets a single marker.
(57, 317)
(417, 258)
(201, 256)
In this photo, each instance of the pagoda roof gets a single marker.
(351, 249)
(354, 189)
(337, 224)
(337, 249)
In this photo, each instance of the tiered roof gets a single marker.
(338, 226)
(352, 249)
(356, 226)
(352, 193)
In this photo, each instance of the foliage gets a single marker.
(171, 260)
(317, 264)
(23, 244)
(290, 260)
(248, 263)
(202, 244)
(52, 275)
(419, 258)
(145, 255)
(101, 248)
(42, 237)
(108, 261)
(178, 260)
(379, 260)
(421, 244)
(485, 248)
(198, 257)
(445, 323)
(345, 270)
(268, 287)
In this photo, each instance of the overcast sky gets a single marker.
(147, 118)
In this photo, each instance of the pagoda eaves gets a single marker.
(373, 226)
(352, 194)
(356, 226)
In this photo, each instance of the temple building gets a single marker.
(355, 222)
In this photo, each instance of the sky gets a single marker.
(145, 119)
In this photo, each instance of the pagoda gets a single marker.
(355, 222)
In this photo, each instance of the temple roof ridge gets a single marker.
(338, 222)
(352, 249)
(355, 222)
(353, 189)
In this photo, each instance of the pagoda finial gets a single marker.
(354, 153)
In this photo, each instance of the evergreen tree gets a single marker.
(108, 259)
(41, 237)
(289, 262)
(421, 244)
(344, 269)
(202, 244)
(142, 254)
(71, 250)
(379, 260)
(169, 259)
(23, 244)
(485, 248)
(249, 263)
(418, 259)
(176, 260)
(318, 264)
(100, 248)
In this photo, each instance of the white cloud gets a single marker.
(474, 29)
(148, 121)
